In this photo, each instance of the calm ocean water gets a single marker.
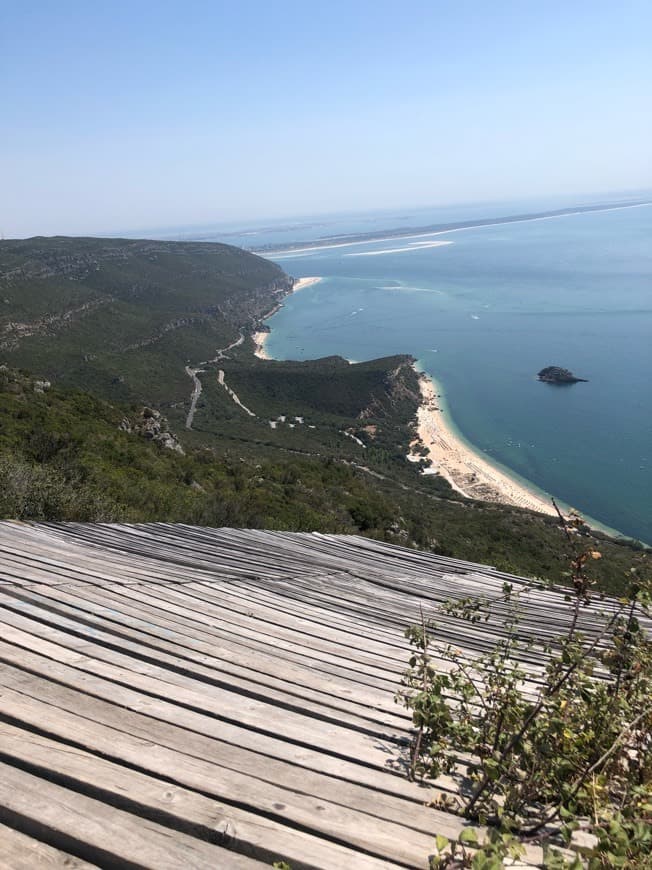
(483, 315)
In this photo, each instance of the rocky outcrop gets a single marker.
(151, 425)
(20, 383)
(556, 375)
(12, 332)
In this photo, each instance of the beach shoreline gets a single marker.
(259, 338)
(467, 471)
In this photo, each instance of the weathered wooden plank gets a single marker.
(222, 743)
(21, 852)
(147, 660)
(157, 541)
(349, 643)
(310, 621)
(403, 590)
(131, 638)
(155, 682)
(100, 833)
(356, 829)
(213, 619)
(173, 806)
(212, 629)
(247, 673)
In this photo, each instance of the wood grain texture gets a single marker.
(176, 696)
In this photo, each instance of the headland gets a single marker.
(465, 469)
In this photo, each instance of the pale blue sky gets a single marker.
(119, 115)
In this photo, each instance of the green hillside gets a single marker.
(122, 317)
(64, 456)
(127, 332)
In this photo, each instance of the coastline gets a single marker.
(465, 468)
(260, 337)
(466, 471)
(284, 252)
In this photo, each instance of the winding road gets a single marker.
(193, 371)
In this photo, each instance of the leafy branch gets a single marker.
(542, 761)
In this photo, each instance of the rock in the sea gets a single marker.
(556, 375)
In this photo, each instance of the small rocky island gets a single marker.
(556, 375)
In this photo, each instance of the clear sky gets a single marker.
(120, 115)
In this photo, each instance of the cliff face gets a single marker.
(398, 391)
(249, 308)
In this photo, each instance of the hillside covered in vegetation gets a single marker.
(120, 317)
(129, 391)
(66, 455)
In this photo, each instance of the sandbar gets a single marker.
(259, 338)
(466, 471)
(302, 283)
(398, 236)
(413, 246)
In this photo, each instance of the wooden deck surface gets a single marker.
(175, 697)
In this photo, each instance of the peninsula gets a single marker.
(343, 240)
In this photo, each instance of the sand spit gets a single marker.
(465, 470)
(260, 337)
(397, 237)
(302, 283)
(413, 246)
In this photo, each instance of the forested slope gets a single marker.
(122, 317)
(66, 455)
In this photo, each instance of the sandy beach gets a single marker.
(465, 470)
(260, 337)
(302, 283)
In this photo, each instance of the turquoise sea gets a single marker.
(483, 315)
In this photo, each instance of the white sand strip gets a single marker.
(302, 283)
(293, 252)
(259, 339)
(466, 471)
(413, 246)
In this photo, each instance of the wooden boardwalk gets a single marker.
(175, 697)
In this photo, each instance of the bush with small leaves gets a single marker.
(545, 754)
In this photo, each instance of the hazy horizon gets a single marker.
(247, 222)
(138, 117)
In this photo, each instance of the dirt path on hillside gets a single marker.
(223, 383)
(194, 371)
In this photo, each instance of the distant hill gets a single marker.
(122, 317)
(133, 321)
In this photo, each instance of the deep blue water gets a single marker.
(483, 315)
